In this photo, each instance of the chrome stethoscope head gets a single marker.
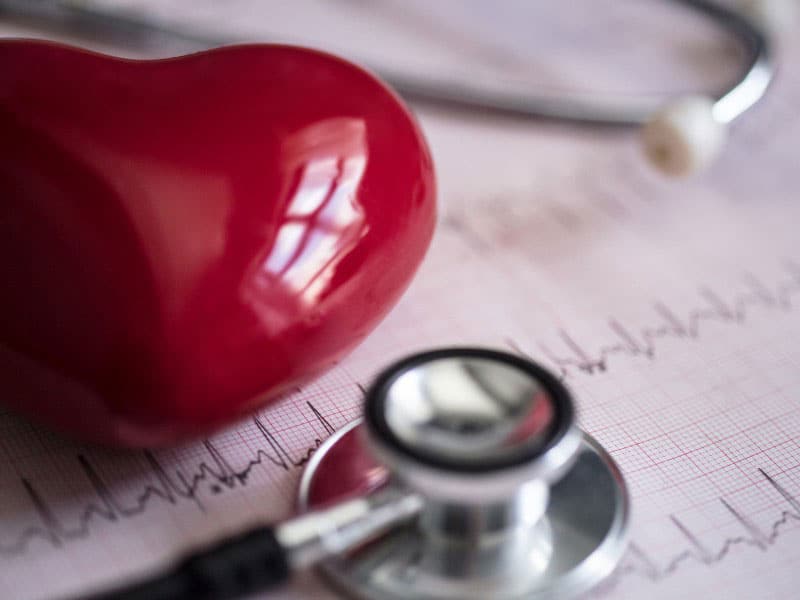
(468, 479)
(470, 426)
(501, 495)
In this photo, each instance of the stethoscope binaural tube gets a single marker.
(680, 136)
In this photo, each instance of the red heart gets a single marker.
(183, 240)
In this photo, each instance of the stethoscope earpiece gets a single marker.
(684, 137)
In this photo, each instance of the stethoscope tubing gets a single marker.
(748, 87)
(744, 91)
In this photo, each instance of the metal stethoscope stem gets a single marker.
(263, 557)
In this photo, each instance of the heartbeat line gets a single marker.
(638, 562)
(643, 343)
(576, 358)
(216, 472)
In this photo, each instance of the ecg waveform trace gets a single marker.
(170, 489)
(644, 342)
(638, 562)
(219, 473)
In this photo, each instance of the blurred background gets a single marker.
(546, 228)
(594, 46)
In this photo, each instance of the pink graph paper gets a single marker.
(671, 309)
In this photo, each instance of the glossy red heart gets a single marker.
(183, 240)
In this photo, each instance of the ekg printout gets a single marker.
(670, 308)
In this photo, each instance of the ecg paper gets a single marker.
(670, 308)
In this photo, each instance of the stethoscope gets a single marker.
(466, 479)
(679, 136)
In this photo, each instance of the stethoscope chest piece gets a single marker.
(506, 498)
